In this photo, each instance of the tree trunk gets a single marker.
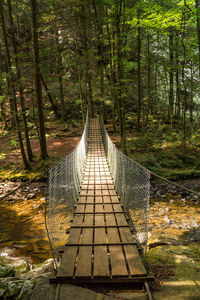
(139, 77)
(50, 98)
(183, 81)
(197, 4)
(19, 83)
(178, 96)
(171, 79)
(60, 77)
(111, 40)
(88, 77)
(12, 80)
(38, 88)
(191, 93)
(149, 104)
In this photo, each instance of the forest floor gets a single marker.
(60, 141)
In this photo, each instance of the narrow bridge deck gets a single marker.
(100, 246)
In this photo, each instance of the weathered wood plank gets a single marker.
(135, 263)
(84, 260)
(101, 267)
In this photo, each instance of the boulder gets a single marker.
(6, 271)
(27, 290)
(14, 288)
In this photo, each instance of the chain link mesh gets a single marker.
(132, 183)
(64, 187)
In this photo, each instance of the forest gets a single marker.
(136, 62)
(136, 65)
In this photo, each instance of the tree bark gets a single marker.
(50, 98)
(12, 80)
(197, 4)
(139, 77)
(171, 78)
(149, 104)
(191, 92)
(19, 84)
(38, 88)
(60, 77)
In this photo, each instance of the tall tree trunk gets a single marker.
(178, 95)
(119, 65)
(88, 77)
(111, 40)
(171, 78)
(197, 4)
(183, 81)
(50, 98)
(38, 88)
(139, 77)
(60, 76)
(19, 83)
(149, 104)
(191, 92)
(12, 80)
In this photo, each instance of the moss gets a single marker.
(184, 259)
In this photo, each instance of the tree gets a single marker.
(43, 148)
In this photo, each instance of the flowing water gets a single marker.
(22, 229)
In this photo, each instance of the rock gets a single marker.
(4, 282)
(166, 219)
(133, 295)
(26, 290)
(4, 254)
(14, 288)
(6, 271)
(69, 291)
(2, 292)
(43, 290)
(31, 196)
(23, 268)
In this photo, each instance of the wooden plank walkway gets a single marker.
(100, 247)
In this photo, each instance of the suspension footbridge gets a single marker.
(109, 196)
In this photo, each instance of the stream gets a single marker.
(174, 219)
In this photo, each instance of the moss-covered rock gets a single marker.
(6, 270)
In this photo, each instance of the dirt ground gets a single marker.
(55, 146)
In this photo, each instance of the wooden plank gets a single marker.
(121, 220)
(99, 220)
(89, 208)
(110, 219)
(69, 255)
(80, 208)
(118, 264)
(117, 207)
(99, 208)
(98, 199)
(88, 220)
(78, 220)
(126, 235)
(135, 264)
(90, 199)
(106, 199)
(109, 207)
(74, 236)
(84, 260)
(67, 262)
(113, 193)
(113, 235)
(115, 199)
(101, 267)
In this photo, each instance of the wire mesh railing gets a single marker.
(132, 183)
(64, 186)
